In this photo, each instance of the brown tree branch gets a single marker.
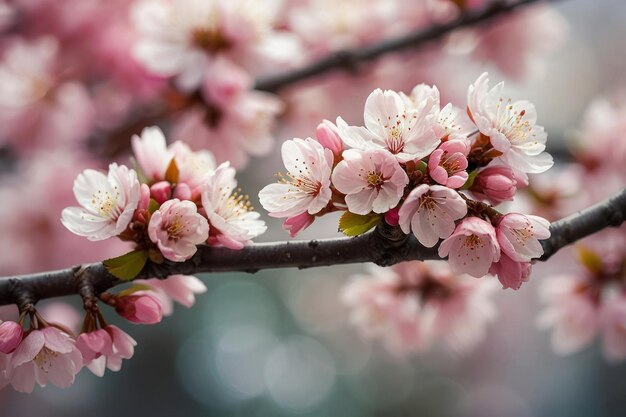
(384, 246)
(349, 59)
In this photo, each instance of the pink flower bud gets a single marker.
(161, 191)
(392, 217)
(11, 334)
(144, 199)
(140, 309)
(182, 192)
(296, 224)
(496, 184)
(328, 136)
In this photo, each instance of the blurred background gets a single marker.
(278, 343)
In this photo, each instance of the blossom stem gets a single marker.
(385, 245)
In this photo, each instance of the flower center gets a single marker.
(105, 203)
(395, 140)
(176, 228)
(522, 235)
(473, 241)
(44, 359)
(375, 179)
(209, 39)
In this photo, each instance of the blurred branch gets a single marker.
(384, 246)
(348, 59)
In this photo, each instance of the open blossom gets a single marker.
(154, 157)
(510, 126)
(306, 188)
(179, 288)
(412, 305)
(182, 37)
(45, 355)
(447, 165)
(392, 124)
(372, 180)
(472, 248)
(231, 217)
(108, 202)
(519, 235)
(177, 227)
(430, 211)
(105, 348)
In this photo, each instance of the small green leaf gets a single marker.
(422, 167)
(172, 173)
(355, 224)
(590, 259)
(128, 266)
(470, 180)
(153, 206)
(134, 289)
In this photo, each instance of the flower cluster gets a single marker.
(183, 200)
(418, 166)
(413, 305)
(51, 352)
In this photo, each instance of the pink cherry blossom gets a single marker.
(296, 224)
(232, 220)
(306, 188)
(372, 180)
(108, 202)
(510, 126)
(519, 235)
(471, 248)
(139, 309)
(496, 184)
(161, 191)
(412, 305)
(105, 348)
(179, 288)
(510, 273)
(392, 124)
(327, 134)
(45, 355)
(430, 211)
(11, 334)
(447, 165)
(182, 38)
(177, 227)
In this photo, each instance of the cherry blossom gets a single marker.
(511, 273)
(392, 124)
(448, 163)
(176, 227)
(372, 180)
(519, 235)
(471, 248)
(45, 355)
(233, 223)
(139, 309)
(496, 184)
(412, 305)
(430, 211)
(327, 134)
(306, 187)
(179, 288)
(11, 334)
(105, 348)
(296, 224)
(510, 126)
(108, 202)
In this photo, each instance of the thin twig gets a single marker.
(384, 245)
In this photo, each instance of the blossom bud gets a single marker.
(496, 184)
(11, 334)
(144, 198)
(182, 192)
(140, 309)
(392, 217)
(328, 137)
(296, 224)
(161, 191)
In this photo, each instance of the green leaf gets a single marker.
(422, 167)
(153, 206)
(128, 266)
(355, 224)
(470, 180)
(172, 173)
(134, 289)
(590, 259)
